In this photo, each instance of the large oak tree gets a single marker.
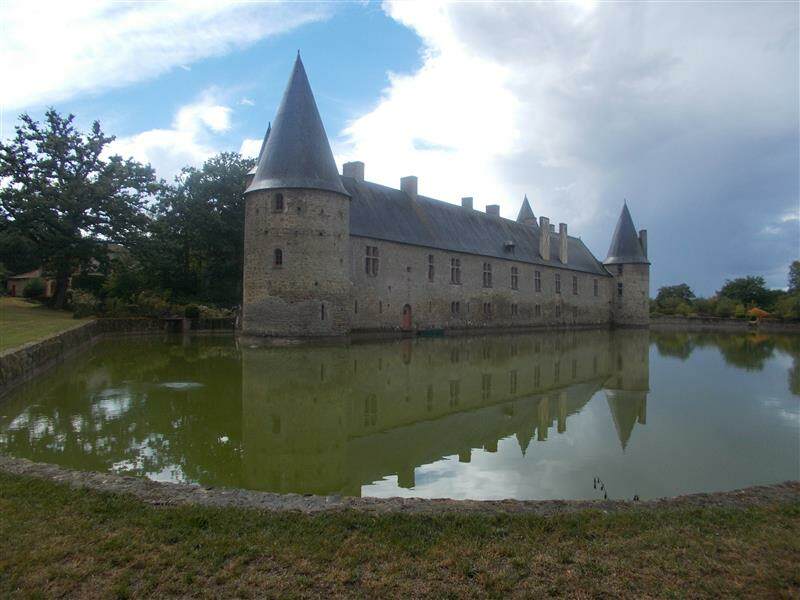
(59, 191)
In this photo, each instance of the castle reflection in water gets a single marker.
(319, 419)
(323, 420)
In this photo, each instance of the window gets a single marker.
(512, 382)
(455, 270)
(557, 371)
(430, 267)
(514, 310)
(277, 258)
(371, 261)
(487, 275)
(380, 306)
(574, 285)
(455, 308)
(537, 310)
(574, 312)
(619, 290)
(537, 376)
(455, 392)
(487, 309)
(558, 283)
(277, 203)
(558, 310)
(619, 269)
(537, 281)
(355, 307)
(486, 386)
(595, 287)
(514, 278)
(321, 312)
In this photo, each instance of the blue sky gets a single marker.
(688, 111)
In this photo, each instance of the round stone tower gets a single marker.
(297, 227)
(627, 262)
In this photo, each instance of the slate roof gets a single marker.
(297, 153)
(261, 152)
(625, 246)
(384, 213)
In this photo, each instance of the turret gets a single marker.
(252, 172)
(297, 227)
(526, 216)
(630, 270)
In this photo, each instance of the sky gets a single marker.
(689, 111)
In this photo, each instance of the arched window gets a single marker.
(278, 258)
(278, 204)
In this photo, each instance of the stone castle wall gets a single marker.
(633, 306)
(309, 293)
(402, 279)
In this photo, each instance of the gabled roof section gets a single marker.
(526, 215)
(384, 213)
(297, 153)
(261, 152)
(625, 246)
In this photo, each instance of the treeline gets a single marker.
(116, 239)
(745, 297)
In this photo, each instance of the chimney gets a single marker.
(354, 169)
(544, 238)
(643, 240)
(552, 227)
(409, 186)
(562, 245)
(466, 202)
(493, 209)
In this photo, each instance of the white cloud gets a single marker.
(247, 102)
(690, 111)
(190, 140)
(250, 148)
(53, 50)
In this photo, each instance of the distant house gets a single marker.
(15, 284)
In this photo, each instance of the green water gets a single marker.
(514, 416)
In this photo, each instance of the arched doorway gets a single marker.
(407, 317)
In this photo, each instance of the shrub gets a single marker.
(192, 311)
(788, 307)
(83, 304)
(725, 307)
(683, 309)
(151, 304)
(740, 312)
(705, 306)
(34, 288)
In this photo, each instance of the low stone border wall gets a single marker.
(21, 364)
(720, 324)
(177, 494)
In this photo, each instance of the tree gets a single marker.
(682, 292)
(58, 193)
(749, 291)
(196, 245)
(794, 277)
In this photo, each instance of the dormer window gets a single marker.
(509, 246)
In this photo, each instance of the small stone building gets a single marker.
(15, 284)
(327, 254)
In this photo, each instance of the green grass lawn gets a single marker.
(60, 542)
(22, 321)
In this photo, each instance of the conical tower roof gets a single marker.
(625, 246)
(297, 153)
(625, 409)
(261, 152)
(526, 215)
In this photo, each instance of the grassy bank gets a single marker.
(22, 322)
(56, 541)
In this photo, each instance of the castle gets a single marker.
(329, 254)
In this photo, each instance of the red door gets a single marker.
(407, 317)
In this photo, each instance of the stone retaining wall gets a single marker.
(176, 494)
(25, 362)
(719, 324)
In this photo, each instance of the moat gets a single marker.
(534, 416)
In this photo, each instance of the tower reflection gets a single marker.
(331, 419)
